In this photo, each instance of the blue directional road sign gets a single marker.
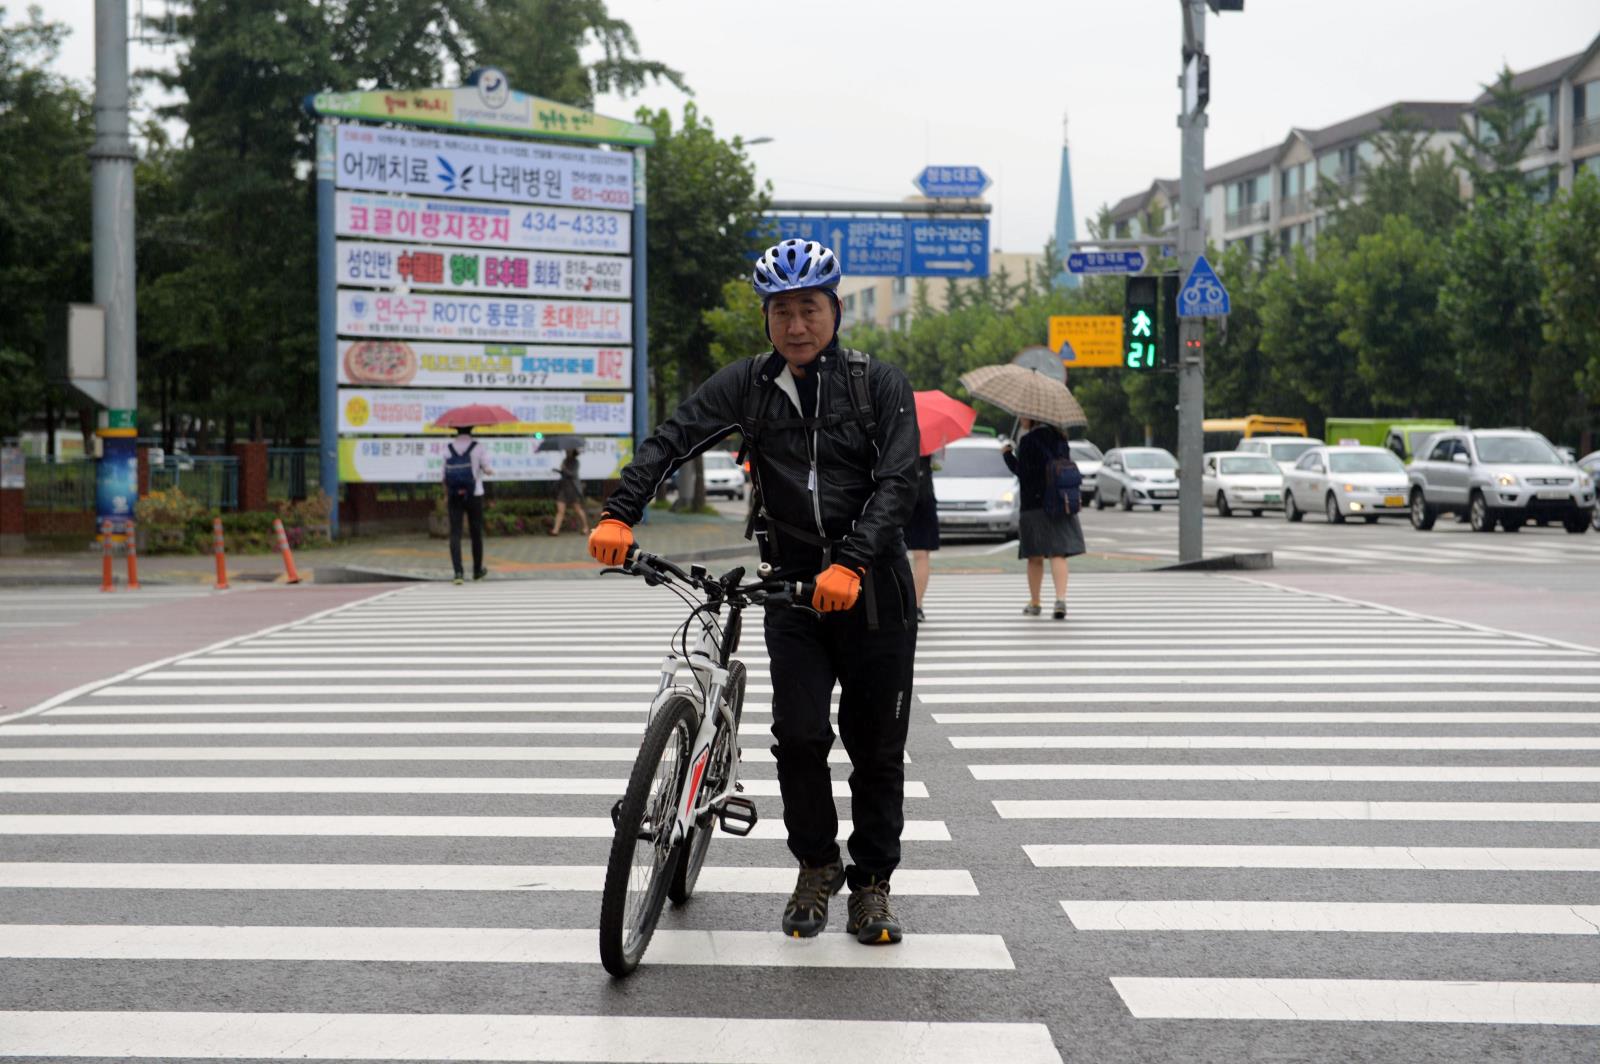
(962, 182)
(1202, 295)
(1092, 262)
(895, 247)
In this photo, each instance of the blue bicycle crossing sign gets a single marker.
(1202, 295)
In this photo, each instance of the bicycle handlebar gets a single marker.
(766, 591)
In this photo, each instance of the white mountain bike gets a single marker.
(685, 780)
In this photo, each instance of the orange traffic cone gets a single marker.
(133, 557)
(222, 558)
(108, 582)
(290, 573)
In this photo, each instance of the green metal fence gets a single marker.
(214, 480)
(59, 485)
(293, 472)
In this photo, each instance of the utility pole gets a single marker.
(1191, 245)
(111, 161)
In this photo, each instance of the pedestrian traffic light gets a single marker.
(1139, 323)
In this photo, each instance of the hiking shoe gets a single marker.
(1060, 612)
(1031, 610)
(870, 919)
(807, 912)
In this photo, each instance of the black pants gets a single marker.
(470, 507)
(873, 669)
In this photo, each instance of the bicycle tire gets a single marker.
(672, 731)
(686, 872)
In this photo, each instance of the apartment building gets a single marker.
(1267, 199)
(889, 302)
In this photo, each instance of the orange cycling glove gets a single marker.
(837, 589)
(609, 542)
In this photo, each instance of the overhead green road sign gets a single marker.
(487, 104)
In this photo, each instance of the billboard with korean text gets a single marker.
(414, 411)
(421, 461)
(417, 364)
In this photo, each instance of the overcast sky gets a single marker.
(859, 95)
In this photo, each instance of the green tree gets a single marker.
(1405, 178)
(1568, 259)
(1234, 368)
(1491, 151)
(704, 205)
(540, 44)
(1309, 370)
(1490, 299)
(1389, 293)
(46, 129)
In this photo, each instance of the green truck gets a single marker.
(1402, 436)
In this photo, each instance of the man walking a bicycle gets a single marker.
(833, 443)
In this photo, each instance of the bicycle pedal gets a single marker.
(616, 813)
(737, 816)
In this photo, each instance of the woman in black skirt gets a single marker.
(922, 531)
(1042, 535)
(569, 492)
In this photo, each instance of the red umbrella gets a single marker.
(942, 419)
(465, 417)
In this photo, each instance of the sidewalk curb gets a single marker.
(1259, 560)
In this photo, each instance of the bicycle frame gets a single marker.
(709, 663)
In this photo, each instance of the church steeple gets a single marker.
(1066, 220)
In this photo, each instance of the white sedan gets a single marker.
(1365, 482)
(1238, 481)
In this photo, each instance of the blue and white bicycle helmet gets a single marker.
(796, 265)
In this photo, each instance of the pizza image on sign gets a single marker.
(388, 362)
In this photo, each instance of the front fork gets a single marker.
(692, 799)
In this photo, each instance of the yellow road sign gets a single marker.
(1093, 340)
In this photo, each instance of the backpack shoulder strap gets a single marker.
(856, 363)
(473, 446)
(755, 395)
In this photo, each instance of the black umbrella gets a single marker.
(561, 443)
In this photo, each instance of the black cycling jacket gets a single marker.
(832, 481)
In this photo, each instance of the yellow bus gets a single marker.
(1224, 433)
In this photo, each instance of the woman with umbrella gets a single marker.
(940, 419)
(1043, 463)
(569, 489)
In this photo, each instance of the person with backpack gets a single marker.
(833, 442)
(465, 466)
(1050, 499)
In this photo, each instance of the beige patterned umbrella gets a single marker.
(1026, 393)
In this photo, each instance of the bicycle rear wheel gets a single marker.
(642, 853)
(724, 752)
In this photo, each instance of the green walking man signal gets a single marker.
(1139, 323)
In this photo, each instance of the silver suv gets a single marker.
(1504, 476)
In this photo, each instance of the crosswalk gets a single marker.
(1315, 545)
(1199, 805)
(1232, 835)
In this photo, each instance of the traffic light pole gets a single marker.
(1191, 245)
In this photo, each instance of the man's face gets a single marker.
(801, 325)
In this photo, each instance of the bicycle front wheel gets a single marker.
(643, 853)
(724, 752)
